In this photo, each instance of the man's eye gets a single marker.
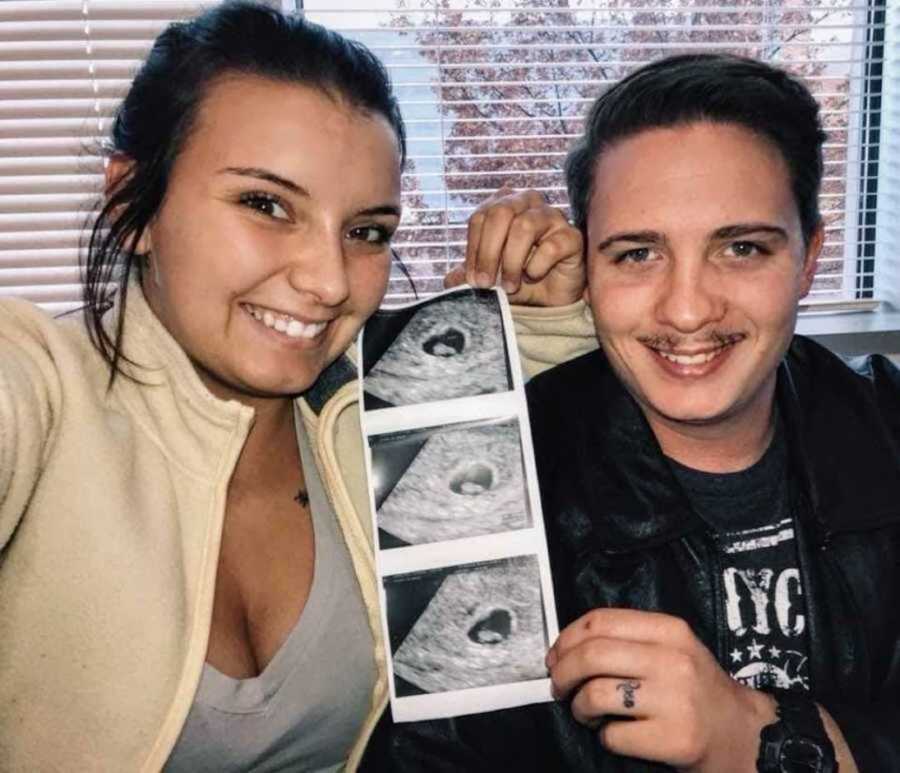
(265, 203)
(638, 255)
(373, 234)
(746, 249)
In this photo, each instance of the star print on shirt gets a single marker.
(774, 651)
(736, 656)
(755, 650)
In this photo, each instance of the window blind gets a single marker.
(887, 231)
(493, 92)
(64, 66)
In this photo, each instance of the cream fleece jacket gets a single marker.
(111, 511)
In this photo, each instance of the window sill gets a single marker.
(864, 332)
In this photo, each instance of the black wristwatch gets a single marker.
(797, 741)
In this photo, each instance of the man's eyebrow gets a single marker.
(265, 174)
(642, 237)
(743, 229)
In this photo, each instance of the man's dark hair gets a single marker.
(716, 88)
(160, 109)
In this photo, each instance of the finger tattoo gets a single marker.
(628, 689)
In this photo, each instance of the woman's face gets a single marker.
(270, 248)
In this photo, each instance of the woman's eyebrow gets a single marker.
(264, 174)
(384, 209)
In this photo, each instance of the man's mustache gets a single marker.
(669, 341)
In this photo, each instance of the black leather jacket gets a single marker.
(622, 534)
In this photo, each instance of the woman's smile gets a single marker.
(285, 325)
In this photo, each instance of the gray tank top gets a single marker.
(305, 710)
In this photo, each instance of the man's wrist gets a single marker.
(797, 742)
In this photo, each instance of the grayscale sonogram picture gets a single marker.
(475, 625)
(449, 482)
(449, 347)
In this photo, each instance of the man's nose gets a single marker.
(690, 298)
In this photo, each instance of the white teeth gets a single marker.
(690, 359)
(293, 328)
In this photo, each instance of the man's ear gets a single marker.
(118, 169)
(586, 294)
(811, 259)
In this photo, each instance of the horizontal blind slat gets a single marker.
(11, 278)
(75, 29)
(47, 109)
(72, 10)
(37, 258)
(73, 50)
(114, 88)
(75, 183)
(49, 165)
(14, 241)
(65, 69)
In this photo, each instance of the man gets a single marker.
(722, 498)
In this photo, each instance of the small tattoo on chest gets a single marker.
(628, 688)
(302, 498)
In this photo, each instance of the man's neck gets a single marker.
(729, 445)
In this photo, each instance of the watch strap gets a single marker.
(800, 713)
(797, 741)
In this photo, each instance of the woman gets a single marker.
(186, 570)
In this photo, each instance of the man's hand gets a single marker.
(654, 691)
(520, 240)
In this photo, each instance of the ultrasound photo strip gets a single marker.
(464, 576)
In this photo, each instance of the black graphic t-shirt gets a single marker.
(749, 511)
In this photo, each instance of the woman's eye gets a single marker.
(637, 255)
(266, 204)
(373, 234)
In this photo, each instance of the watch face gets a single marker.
(803, 755)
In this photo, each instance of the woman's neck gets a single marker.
(271, 450)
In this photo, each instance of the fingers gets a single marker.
(495, 205)
(600, 698)
(642, 718)
(508, 232)
(557, 246)
(624, 624)
(603, 658)
(539, 241)
(654, 740)
(455, 277)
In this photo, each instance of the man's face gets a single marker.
(696, 264)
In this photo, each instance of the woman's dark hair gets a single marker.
(157, 115)
(706, 87)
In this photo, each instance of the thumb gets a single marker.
(455, 277)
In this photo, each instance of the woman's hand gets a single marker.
(654, 691)
(520, 241)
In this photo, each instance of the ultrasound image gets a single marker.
(483, 626)
(452, 483)
(450, 347)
